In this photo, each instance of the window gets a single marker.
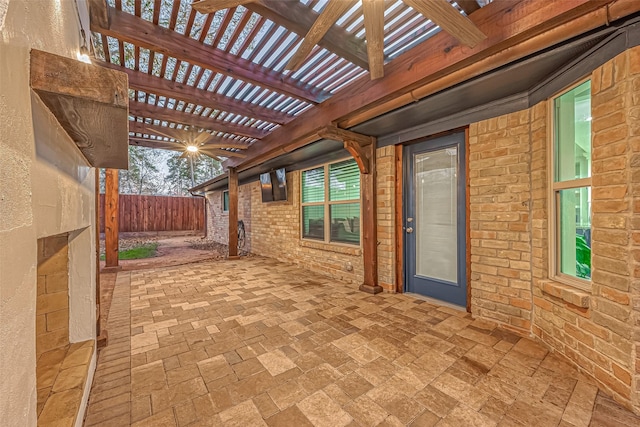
(225, 201)
(571, 186)
(331, 203)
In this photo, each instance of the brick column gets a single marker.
(615, 224)
(499, 179)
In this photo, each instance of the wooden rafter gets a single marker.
(212, 141)
(299, 19)
(218, 152)
(212, 6)
(141, 109)
(449, 19)
(374, 26)
(329, 15)
(533, 24)
(183, 92)
(175, 146)
(469, 6)
(99, 12)
(142, 33)
(154, 143)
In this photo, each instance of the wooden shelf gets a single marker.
(90, 102)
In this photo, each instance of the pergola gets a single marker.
(249, 81)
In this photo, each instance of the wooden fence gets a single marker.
(157, 213)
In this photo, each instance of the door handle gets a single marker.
(409, 230)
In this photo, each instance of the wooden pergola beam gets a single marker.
(374, 28)
(160, 86)
(212, 6)
(299, 19)
(141, 109)
(447, 17)
(469, 6)
(326, 19)
(531, 25)
(233, 213)
(154, 143)
(174, 146)
(212, 142)
(111, 215)
(132, 29)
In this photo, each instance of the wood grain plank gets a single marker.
(431, 63)
(369, 226)
(135, 30)
(143, 110)
(329, 15)
(212, 6)
(211, 141)
(469, 6)
(111, 228)
(374, 27)
(89, 102)
(449, 19)
(183, 92)
(299, 19)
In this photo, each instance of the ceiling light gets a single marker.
(192, 148)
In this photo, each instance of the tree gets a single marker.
(143, 175)
(179, 177)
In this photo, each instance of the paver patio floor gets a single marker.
(256, 342)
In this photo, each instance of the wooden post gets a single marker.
(111, 218)
(369, 224)
(233, 213)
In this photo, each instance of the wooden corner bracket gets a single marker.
(361, 147)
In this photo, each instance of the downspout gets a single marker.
(202, 194)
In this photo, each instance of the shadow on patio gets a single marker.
(257, 342)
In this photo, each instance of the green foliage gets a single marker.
(178, 179)
(140, 252)
(143, 175)
(583, 258)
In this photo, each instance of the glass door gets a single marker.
(434, 222)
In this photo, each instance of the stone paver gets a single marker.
(257, 342)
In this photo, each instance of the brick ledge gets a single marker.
(332, 247)
(569, 294)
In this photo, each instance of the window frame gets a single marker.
(327, 206)
(222, 204)
(553, 196)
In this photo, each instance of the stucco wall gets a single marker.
(46, 188)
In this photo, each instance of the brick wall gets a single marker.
(632, 105)
(52, 303)
(500, 192)
(385, 182)
(273, 229)
(218, 221)
(598, 330)
(595, 329)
